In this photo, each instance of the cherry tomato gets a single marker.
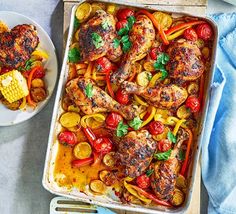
(122, 97)
(103, 64)
(204, 31)
(121, 24)
(124, 13)
(113, 119)
(190, 34)
(155, 51)
(40, 73)
(67, 138)
(143, 181)
(83, 162)
(156, 127)
(102, 145)
(164, 145)
(193, 103)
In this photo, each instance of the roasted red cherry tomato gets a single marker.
(164, 145)
(190, 34)
(67, 138)
(122, 97)
(113, 119)
(103, 64)
(204, 31)
(156, 127)
(102, 145)
(82, 162)
(155, 51)
(193, 103)
(121, 24)
(40, 73)
(124, 13)
(143, 181)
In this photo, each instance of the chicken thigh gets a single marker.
(135, 152)
(141, 36)
(166, 96)
(185, 61)
(165, 172)
(96, 37)
(96, 100)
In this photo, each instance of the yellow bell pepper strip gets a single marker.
(189, 144)
(177, 126)
(154, 79)
(150, 117)
(79, 66)
(176, 34)
(151, 196)
(109, 88)
(156, 24)
(132, 191)
(142, 114)
(181, 26)
(23, 104)
(89, 70)
(140, 101)
(40, 53)
(159, 117)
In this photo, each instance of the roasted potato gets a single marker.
(37, 83)
(12, 106)
(70, 119)
(109, 159)
(108, 177)
(82, 150)
(38, 94)
(97, 186)
(177, 198)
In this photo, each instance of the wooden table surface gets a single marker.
(197, 7)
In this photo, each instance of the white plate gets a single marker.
(8, 117)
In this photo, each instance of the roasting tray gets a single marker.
(110, 200)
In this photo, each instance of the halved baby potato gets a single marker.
(148, 66)
(97, 186)
(70, 119)
(83, 12)
(143, 78)
(193, 88)
(82, 150)
(164, 19)
(183, 112)
(109, 159)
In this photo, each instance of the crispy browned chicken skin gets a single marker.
(103, 25)
(100, 100)
(185, 61)
(166, 96)
(17, 45)
(135, 152)
(141, 36)
(165, 172)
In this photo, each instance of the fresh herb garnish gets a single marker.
(149, 76)
(123, 31)
(163, 155)
(106, 24)
(160, 63)
(74, 55)
(89, 90)
(135, 123)
(97, 40)
(76, 24)
(121, 129)
(181, 155)
(116, 43)
(131, 20)
(171, 137)
(28, 64)
(149, 172)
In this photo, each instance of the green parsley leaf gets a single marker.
(164, 74)
(123, 31)
(163, 155)
(126, 46)
(28, 64)
(76, 24)
(149, 75)
(89, 90)
(116, 43)
(74, 55)
(163, 58)
(149, 172)
(181, 155)
(131, 20)
(171, 137)
(124, 39)
(97, 40)
(121, 129)
(106, 24)
(135, 123)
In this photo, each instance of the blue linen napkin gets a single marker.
(219, 145)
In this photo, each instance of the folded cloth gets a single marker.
(219, 145)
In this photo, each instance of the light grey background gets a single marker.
(23, 147)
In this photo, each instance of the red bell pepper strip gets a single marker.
(181, 26)
(156, 24)
(190, 140)
(151, 196)
(90, 135)
(83, 162)
(110, 90)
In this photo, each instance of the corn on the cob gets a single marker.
(13, 86)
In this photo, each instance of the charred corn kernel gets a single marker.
(111, 8)
(40, 53)
(13, 86)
